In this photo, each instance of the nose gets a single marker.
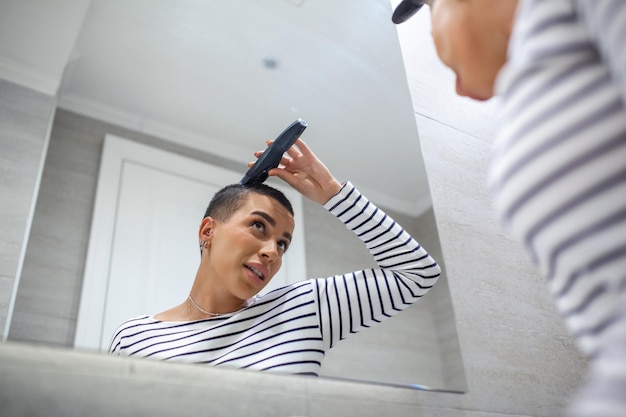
(269, 250)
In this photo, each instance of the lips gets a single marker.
(258, 270)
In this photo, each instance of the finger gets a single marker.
(294, 152)
(304, 149)
(284, 161)
(284, 175)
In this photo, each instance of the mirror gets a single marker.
(211, 81)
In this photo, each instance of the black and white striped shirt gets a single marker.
(289, 330)
(559, 173)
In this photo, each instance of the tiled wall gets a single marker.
(25, 117)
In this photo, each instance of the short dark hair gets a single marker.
(230, 199)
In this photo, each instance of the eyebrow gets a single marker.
(271, 221)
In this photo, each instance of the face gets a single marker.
(470, 40)
(245, 252)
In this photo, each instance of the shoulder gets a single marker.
(178, 313)
(134, 323)
(283, 294)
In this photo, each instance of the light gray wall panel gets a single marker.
(517, 356)
(6, 288)
(25, 117)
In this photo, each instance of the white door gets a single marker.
(143, 249)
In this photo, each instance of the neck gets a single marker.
(210, 294)
(200, 305)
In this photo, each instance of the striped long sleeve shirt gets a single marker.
(559, 174)
(289, 329)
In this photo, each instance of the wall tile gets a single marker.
(24, 119)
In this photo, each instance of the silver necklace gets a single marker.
(208, 313)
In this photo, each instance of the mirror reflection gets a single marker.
(210, 82)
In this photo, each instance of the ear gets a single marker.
(206, 227)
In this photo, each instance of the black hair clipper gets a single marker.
(272, 155)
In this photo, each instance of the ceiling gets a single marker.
(223, 77)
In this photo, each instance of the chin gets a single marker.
(473, 94)
(476, 95)
(480, 98)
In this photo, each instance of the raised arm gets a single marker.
(351, 302)
(348, 303)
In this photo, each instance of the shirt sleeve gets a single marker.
(351, 302)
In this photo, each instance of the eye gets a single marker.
(258, 225)
(283, 245)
